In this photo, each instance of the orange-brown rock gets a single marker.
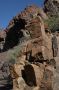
(29, 73)
(28, 13)
(41, 41)
(28, 31)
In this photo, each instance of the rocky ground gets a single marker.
(3, 74)
(56, 72)
(4, 80)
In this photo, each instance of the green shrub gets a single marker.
(14, 53)
(53, 23)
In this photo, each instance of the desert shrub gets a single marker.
(14, 53)
(53, 23)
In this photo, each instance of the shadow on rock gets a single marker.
(7, 87)
(29, 75)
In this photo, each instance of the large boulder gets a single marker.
(41, 41)
(32, 77)
(28, 75)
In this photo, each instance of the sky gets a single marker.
(10, 8)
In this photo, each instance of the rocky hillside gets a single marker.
(29, 48)
(18, 25)
(51, 7)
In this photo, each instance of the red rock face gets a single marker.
(28, 14)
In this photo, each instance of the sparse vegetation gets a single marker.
(53, 23)
(14, 53)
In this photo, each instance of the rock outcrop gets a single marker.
(19, 23)
(32, 69)
(2, 39)
(51, 7)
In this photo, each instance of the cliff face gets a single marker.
(17, 27)
(31, 66)
(34, 64)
